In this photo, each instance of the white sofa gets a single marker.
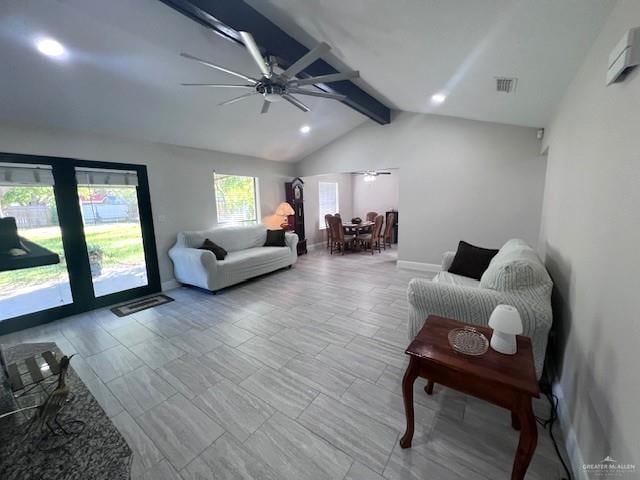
(247, 256)
(516, 276)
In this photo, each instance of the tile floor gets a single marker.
(292, 376)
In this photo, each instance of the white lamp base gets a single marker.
(504, 343)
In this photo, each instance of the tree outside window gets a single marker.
(236, 199)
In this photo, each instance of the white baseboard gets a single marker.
(576, 460)
(420, 266)
(169, 285)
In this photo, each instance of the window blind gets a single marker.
(113, 178)
(327, 201)
(235, 198)
(14, 174)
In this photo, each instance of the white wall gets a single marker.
(379, 196)
(180, 178)
(312, 222)
(590, 236)
(459, 179)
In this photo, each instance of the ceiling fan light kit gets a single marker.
(275, 87)
(371, 175)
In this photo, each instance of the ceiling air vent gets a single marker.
(506, 84)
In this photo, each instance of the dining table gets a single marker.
(357, 228)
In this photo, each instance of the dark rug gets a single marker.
(99, 452)
(141, 304)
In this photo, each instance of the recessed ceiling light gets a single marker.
(438, 98)
(50, 47)
(305, 129)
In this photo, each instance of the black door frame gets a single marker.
(73, 240)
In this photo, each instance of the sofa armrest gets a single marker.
(467, 304)
(291, 240)
(193, 265)
(447, 260)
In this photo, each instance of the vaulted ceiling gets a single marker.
(122, 74)
(122, 78)
(409, 50)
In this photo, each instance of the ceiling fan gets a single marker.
(275, 86)
(370, 175)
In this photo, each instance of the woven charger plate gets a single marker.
(468, 341)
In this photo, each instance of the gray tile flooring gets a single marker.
(295, 375)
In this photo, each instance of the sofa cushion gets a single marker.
(471, 261)
(231, 238)
(275, 238)
(253, 259)
(516, 266)
(449, 278)
(217, 250)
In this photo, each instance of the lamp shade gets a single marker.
(284, 209)
(272, 222)
(506, 319)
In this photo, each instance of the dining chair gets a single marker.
(373, 240)
(327, 228)
(371, 216)
(388, 229)
(339, 241)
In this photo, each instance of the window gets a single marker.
(328, 200)
(236, 198)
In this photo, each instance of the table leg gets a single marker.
(528, 439)
(515, 423)
(429, 387)
(407, 394)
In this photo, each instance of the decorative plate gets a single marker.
(468, 341)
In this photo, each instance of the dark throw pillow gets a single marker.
(275, 238)
(217, 250)
(9, 235)
(471, 261)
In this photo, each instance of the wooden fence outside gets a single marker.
(30, 216)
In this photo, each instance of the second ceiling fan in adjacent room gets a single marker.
(275, 86)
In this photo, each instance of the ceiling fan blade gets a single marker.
(218, 67)
(333, 77)
(306, 60)
(251, 45)
(302, 91)
(265, 107)
(237, 99)
(294, 101)
(217, 85)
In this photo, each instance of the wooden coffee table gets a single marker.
(508, 381)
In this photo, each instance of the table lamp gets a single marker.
(506, 323)
(284, 210)
(272, 222)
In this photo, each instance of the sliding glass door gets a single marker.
(111, 219)
(74, 235)
(28, 220)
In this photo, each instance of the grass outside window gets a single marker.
(121, 244)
